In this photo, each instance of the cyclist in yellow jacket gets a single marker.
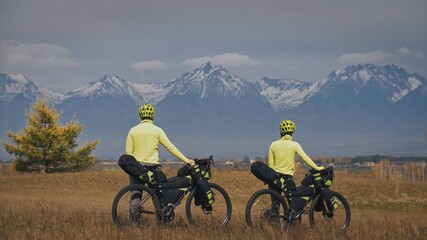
(142, 145)
(143, 140)
(281, 158)
(281, 155)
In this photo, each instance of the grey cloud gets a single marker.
(17, 55)
(302, 39)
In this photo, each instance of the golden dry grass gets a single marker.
(78, 206)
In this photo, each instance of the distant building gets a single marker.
(370, 164)
(229, 164)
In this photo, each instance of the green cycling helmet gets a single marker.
(287, 126)
(146, 111)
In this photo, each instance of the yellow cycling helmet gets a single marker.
(146, 111)
(286, 126)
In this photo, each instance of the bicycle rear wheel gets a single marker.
(266, 207)
(339, 221)
(136, 205)
(219, 215)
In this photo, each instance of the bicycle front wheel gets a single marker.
(136, 205)
(219, 215)
(321, 218)
(266, 207)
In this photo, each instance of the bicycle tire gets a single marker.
(258, 211)
(220, 214)
(146, 211)
(339, 222)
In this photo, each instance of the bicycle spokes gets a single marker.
(265, 207)
(338, 219)
(135, 205)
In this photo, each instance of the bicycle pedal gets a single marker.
(207, 209)
(329, 215)
(305, 211)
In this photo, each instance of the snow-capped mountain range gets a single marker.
(390, 81)
(211, 97)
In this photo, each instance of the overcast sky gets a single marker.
(65, 44)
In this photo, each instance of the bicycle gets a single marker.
(271, 207)
(150, 211)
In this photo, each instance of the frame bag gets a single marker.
(174, 188)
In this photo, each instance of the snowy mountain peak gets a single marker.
(12, 85)
(208, 80)
(391, 81)
(206, 68)
(113, 86)
(114, 80)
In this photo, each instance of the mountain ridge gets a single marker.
(280, 93)
(212, 111)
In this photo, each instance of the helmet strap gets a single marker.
(145, 118)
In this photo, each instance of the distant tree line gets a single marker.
(394, 159)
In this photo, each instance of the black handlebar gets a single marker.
(210, 160)
(327, 171)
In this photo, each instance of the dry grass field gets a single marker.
(78, 206)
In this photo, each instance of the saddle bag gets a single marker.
(264, 172)
(131, 166)
(149, 174)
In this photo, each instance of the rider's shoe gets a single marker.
(135, 210)
(135, 214)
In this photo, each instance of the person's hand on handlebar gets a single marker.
(320, 168)
(191, 162)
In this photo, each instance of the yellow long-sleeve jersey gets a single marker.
(143, 140)
(281, 156)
